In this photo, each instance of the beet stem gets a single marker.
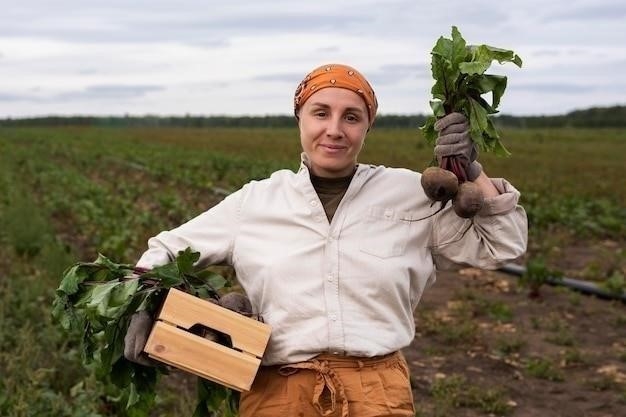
(451, 163)
(443, 205)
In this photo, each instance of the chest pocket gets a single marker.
(386, 232)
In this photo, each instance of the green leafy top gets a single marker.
(96, 300)
(460, 81)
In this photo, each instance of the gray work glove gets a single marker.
(454, 140)
(136, 337)
(236, 302)
(233, 301)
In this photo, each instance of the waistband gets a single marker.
(343, 361)
(326, 378)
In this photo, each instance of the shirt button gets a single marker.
(388, 213)
(313, 203)
(330, 277)
(333, 317)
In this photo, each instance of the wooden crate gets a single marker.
(171, 342)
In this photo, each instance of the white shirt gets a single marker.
(348, 287)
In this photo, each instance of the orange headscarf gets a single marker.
(336, 75)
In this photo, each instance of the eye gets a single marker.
(319, 113)
(351, 117)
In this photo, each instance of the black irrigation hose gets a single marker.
(584, 287)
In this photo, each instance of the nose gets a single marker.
(334, 128)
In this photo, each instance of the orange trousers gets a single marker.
(332, 386)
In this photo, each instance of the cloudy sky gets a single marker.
(245, 57)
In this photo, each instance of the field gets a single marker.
(484, 347)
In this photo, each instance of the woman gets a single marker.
(335, 259)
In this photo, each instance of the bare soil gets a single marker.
(484, 348)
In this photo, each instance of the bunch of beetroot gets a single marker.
(460, 81)
(443, 185)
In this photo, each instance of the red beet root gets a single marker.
(439, 184)
(468, 200)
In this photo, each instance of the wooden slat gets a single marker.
(185, 310)
(202, 357)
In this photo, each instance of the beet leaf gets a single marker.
(460, 82)
(95, 301)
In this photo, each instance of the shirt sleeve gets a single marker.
(212, 234)
(496, 235)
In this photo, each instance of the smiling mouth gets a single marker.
(333, 147)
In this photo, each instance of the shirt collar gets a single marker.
(305, 165)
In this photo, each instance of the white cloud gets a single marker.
(246, 57)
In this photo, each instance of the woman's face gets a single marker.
(333, 123)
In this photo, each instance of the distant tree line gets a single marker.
(614, 116)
